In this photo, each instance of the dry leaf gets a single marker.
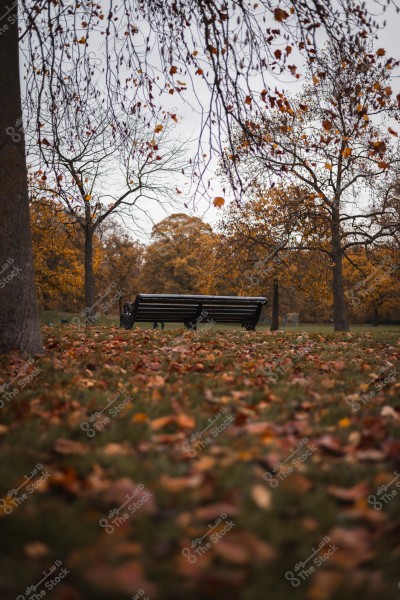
(261, 496)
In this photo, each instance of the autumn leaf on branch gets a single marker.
(219, 202)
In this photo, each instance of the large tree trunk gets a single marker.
(275, 306)
(89, 277)
(340, 322)
(19, 322)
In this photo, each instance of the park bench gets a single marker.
(192, 310)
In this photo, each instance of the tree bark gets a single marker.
(340, 322)
(375, 317)
(275, 306)
(19, 321)
(89, 277)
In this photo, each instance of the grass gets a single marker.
(55, 317)
(267, 393)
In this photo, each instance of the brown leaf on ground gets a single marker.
(36, 550)
(177, 484)
(296, 484)
(121, 490)
(123, 579)
(324, 584)
(330, 443)
(354, 546)
(243, 548)
(370, 455)
(64, 446)
(360, 490)
(113, 449)
(213, 511)
(261, 496)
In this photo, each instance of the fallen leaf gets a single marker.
(389, 411)
(121, 579)
(261, 496)
(360, 490)
(121, 489)
(36, 550)
(177, 484)
(64, 446)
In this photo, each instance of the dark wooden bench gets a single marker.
(191, 310)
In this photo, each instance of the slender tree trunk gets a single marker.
(275, 306)
(89, 278)
(375, 317)
(340, 322)
(19, 322)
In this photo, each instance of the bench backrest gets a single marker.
(195, 308)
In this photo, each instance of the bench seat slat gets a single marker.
(192, 309)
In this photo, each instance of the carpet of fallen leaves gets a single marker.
(216, 464)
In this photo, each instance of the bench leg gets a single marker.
(124, 321)
(155, 325)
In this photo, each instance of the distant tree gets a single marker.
(259, 245)
(373, 282)
(222, 45)
(97, 165)
(174, 261)
(329, 141)
(58, 252)
(122, 262)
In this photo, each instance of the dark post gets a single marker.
(275, 306)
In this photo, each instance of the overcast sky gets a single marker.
(188, 107)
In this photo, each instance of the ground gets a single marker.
(243, 465)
